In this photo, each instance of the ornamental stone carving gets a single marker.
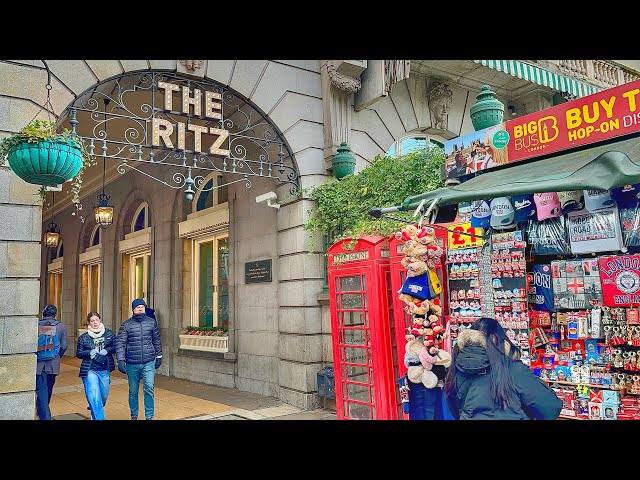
(440, 99)
(341, 81)
(192, 65)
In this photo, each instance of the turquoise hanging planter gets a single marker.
(487, 111)
(45, 163)
(344, 163)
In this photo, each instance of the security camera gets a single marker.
(268, 197)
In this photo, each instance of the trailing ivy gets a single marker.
(343, 206)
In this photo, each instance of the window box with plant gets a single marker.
(206, 339)
(41, 156)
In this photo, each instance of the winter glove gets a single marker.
(122, 366)
(93, 353)
(158, 362)
(103, 352)
(100, 359)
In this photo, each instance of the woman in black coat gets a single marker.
(487, 380)
(96, 348)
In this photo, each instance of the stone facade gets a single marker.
(279, 331)
(21, 220)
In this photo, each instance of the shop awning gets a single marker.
(607, 166)
(541, 76)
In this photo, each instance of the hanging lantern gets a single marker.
(103, 212)
(52, 237)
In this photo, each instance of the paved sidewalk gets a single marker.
(175, 399)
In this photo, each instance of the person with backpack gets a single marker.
(96, 348)
(52, 343)
(139, 354)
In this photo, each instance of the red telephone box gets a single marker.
(360, 302)
(401, 317)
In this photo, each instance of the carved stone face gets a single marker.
(440, 99)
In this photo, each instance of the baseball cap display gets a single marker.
(627, 196)
(464, 210)
(547, 205)
(596, 200)
(501, 213)
(481, 215)
(524, 208)
(571, 200)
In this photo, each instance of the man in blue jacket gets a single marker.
(139, 353)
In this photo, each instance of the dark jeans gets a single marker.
(44, 390)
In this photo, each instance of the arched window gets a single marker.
(142, 218)
(58, 252)
(95, 236)
(209, 196)
(413, 143)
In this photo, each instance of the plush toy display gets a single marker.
(419, 295)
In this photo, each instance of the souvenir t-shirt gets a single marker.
(548, 237)
(543, 288)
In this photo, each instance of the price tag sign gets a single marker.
(464, 241)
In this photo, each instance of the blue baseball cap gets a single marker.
(481, 215)
(627, 196)
(524, 208)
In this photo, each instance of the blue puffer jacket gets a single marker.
(138, 340)
(86, 344)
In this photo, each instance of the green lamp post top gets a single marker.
(344, 162)
(488, 110)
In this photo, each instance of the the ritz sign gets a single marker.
(208, 105)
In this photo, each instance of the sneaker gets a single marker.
(149, 418)
(134, 417)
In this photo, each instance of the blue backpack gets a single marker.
(48, 340)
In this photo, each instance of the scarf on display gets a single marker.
(96, 332)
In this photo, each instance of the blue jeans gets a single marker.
(136, 371)
(96, 388)
(44, 390)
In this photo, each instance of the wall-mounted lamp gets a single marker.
(52, 237)
(103, 211)
(270, 198)
(512, 109)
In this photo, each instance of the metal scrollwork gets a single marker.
(131, 103)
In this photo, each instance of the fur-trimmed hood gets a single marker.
(472, 356)
(468, 336)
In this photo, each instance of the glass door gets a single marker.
(211, 278)
(140, 277)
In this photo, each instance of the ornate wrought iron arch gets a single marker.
(129, 103)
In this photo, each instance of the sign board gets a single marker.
(455, 240)
(594, 232)
(256, 272)
(601, 116)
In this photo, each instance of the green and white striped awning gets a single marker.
(540, 76)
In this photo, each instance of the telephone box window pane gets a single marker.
(358, 412)
(354, 337)
(350, 284)
(355, 355)
(356, 373)
(352, 301)
(358, 392)
(352, 319)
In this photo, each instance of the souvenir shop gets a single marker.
(551, 249)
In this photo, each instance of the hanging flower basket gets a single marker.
(48, 162)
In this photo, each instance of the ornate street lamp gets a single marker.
(52, 236)
(103, 212)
